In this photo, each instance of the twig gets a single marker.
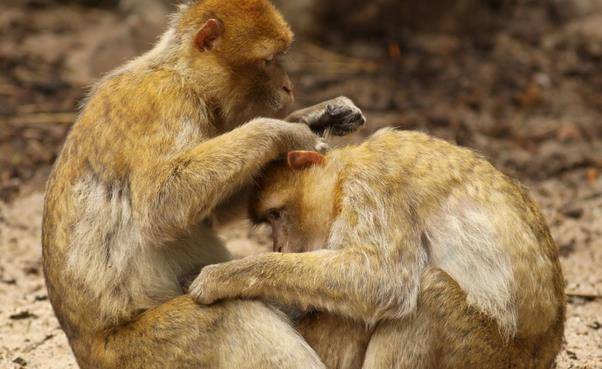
(39, 118)
(590, 296)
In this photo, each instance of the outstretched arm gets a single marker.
(351, 282)
(181, 190)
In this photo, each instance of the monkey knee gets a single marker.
(413, 334)
(437, 288)
(437, 279)
(253, 327)
(347, 350)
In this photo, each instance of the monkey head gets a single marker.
(298, 200)
(234, 50)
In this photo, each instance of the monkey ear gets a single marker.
(208, 34)
(298, 160)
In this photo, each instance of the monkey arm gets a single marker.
(185, 189)
(308, 115)
(351, 282)
(340, 114)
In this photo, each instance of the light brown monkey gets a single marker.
(152, 157)
(447, 260)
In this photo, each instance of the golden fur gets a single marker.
(447, 260)
(160, 145)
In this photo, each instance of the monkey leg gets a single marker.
(401, 344)
(444, 333)
(181, 334)
(340, 342)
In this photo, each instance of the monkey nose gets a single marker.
(287, 86)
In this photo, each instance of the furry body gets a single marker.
(446, 260)
(161, 145)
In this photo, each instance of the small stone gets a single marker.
(595, 325)
(572, 355)
(22, 315)
(573, 212)
(10, 281)
(19, 360)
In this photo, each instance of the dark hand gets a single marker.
(340, 115)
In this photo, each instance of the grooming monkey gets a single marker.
(447, 261)
(162, 145)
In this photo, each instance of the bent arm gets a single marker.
(184, 189)
(350, 282)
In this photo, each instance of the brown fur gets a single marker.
(159, 148)
(446, 260)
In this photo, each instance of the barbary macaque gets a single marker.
(161, 145)
(446, 261)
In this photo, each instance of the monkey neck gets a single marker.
(203, 80)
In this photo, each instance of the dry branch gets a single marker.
(39, 118)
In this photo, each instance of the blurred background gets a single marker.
(520, 81)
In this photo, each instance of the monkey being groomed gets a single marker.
(163, 145)
(415, 253)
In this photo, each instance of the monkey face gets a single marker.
(291, 230)
(297, 201)
(266, 86)
(236, 49)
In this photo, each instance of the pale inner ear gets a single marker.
(208, 34)
(298, 160)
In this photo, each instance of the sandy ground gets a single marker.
(529, 97)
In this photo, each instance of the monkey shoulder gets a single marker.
(422, 152)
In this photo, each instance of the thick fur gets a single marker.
(387, 212)
(160, 145)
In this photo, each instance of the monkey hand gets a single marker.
(217, 282)
(205, 288)
(301, 137)
(340, 115)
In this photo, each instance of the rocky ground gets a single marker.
(528, 96)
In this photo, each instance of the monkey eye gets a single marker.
(269, 60)
(274, 215)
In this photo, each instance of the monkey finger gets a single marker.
(201, 296)
(322, 147)
(341, 115)
(202, 291)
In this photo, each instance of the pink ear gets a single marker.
(208, 34)
(298, 160)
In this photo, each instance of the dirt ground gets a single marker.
(528, 96)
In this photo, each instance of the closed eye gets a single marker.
(269, 60)
(269, 217)
(274, 215)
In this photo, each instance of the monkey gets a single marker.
(160, 146)
(445, 260)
